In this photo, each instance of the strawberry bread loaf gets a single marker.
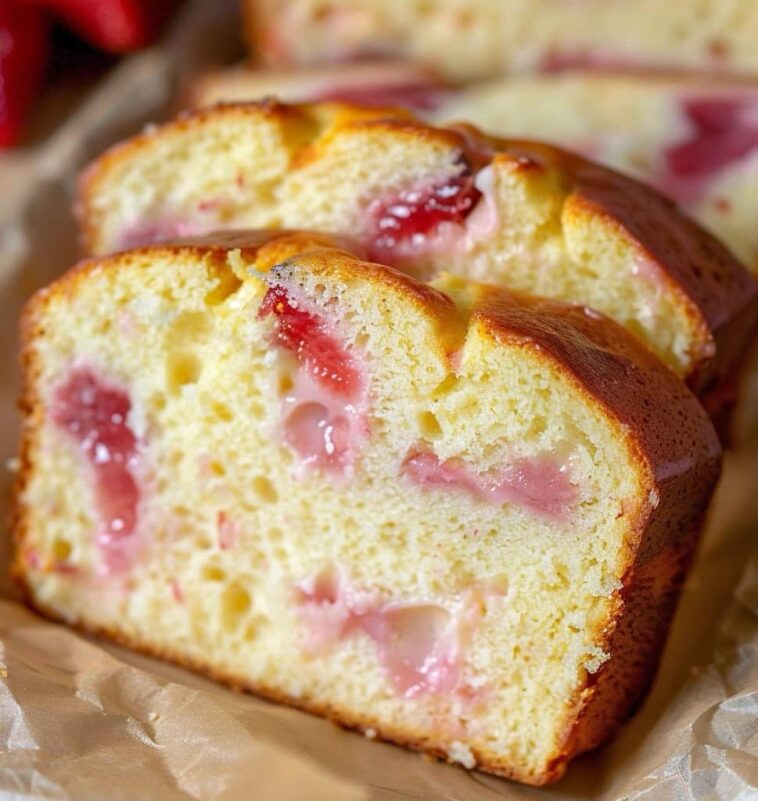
(448, 515)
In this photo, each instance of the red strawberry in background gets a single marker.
(24, 45)
(116, 26)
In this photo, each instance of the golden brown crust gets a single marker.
(634, 640)
(679, 465)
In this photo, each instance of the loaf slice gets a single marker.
(449, 516)
(426, 199)
(475, 39)
(692, 138)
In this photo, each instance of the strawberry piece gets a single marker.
(726, 130)
(95, 415)
(322, 417)
(309, 337)
(415, 214)
(723, 131)
(539, 483)
(24, 45)
(416, 643)
(116, 26)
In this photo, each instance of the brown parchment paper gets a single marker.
(82, 719)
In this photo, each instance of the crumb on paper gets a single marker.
(459, 752)
(13, 464)
(369, 734)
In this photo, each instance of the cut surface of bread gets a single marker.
(475, 39)
(427, 199)
(450, 516)
(692, 138)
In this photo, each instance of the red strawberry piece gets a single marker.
(726, 129)
(417, 212)
(95, 415)
(310, 338)
(723, 130)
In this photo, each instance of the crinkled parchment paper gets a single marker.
(82, 719)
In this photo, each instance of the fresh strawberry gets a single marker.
(116, 26)
(24, 45)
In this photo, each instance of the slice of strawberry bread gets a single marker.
(450, 516)
(694, 138)
(428, 200)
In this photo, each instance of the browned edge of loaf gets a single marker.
(718, 287)
(635, 388)
(719, 294)
(677, 453)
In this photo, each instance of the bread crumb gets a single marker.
(459, 752)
